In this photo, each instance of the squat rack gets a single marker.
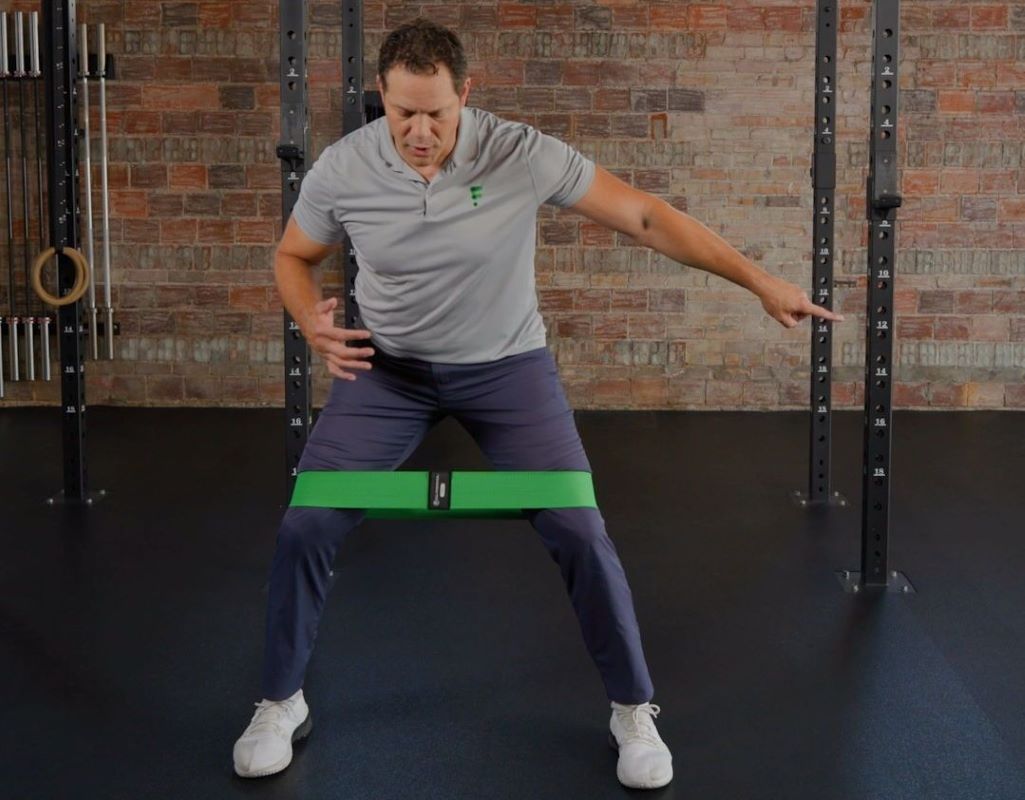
(883, 199)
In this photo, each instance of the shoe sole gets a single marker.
(298, 734)
(615, 746)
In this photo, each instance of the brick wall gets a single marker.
(705, 104)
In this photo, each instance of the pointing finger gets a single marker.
(825, 313)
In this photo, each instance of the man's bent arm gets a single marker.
(294, 260)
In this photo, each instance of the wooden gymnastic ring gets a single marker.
(81, 276)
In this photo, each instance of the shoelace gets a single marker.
(639, 723)
(268, 717)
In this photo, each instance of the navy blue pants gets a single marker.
(516, 411)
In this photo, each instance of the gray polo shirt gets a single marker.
(446, 266)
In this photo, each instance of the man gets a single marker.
(440, 203)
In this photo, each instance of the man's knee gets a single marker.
(573, 530)
(306, 529)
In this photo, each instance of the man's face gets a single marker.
(423, 114)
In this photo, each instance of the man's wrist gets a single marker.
(758, 281)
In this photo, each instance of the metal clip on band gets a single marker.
(439, 496)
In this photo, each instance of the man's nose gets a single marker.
(421, 126)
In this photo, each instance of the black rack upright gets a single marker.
(61, 68)
(358, 108)
(823, 175)
(292, 150)
(882, 201)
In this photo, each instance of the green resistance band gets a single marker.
(423, 495)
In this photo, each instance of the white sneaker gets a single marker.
(265, 747)
(644, 759)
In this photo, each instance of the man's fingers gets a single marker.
(345, 361)
(323, 306)
(342, 334)
(825, 313)
(340, 350)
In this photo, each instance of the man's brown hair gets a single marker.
(420, 46)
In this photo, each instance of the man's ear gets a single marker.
(465, 93)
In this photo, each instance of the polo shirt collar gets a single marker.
(467, 145)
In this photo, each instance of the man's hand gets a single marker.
(788, 304)
(332, 342)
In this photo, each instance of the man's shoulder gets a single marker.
(496, 133)
(359, 142)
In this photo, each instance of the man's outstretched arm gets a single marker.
(656, 224)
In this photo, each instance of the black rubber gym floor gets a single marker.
(449, 664)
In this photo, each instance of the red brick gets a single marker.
(1011, 209)
(959, 181)
(581, 73)
(909, 327)
(142, 122)
(988, 18)
(216, 231)
(128, 204)
(1009, 302)
(555, 18)
(573, 326)
(649, 392)
(910, 395)
(187, 176)
(516, 15)
(630, 18)
(215, 15)
(750, 18)
(783, 19)
(594, 235)
(996, 102)
(255, 232)
(956, 102)
(973, 302)
(948, 395)
(985, 395)
(611, 392)
(989, 328)
(955, 17)
(178, 231)
(610, 326)
(254, 13)
(165, 388)
(591, 300)
(263, 176)
(959, 328)
(707, 17)
(920, 182)
(1014, 395)
(148, 176)
(162, 97)
(674, 16)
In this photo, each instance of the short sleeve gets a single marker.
(316, 211)
(560, 173)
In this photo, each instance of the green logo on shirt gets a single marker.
(476, 192)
